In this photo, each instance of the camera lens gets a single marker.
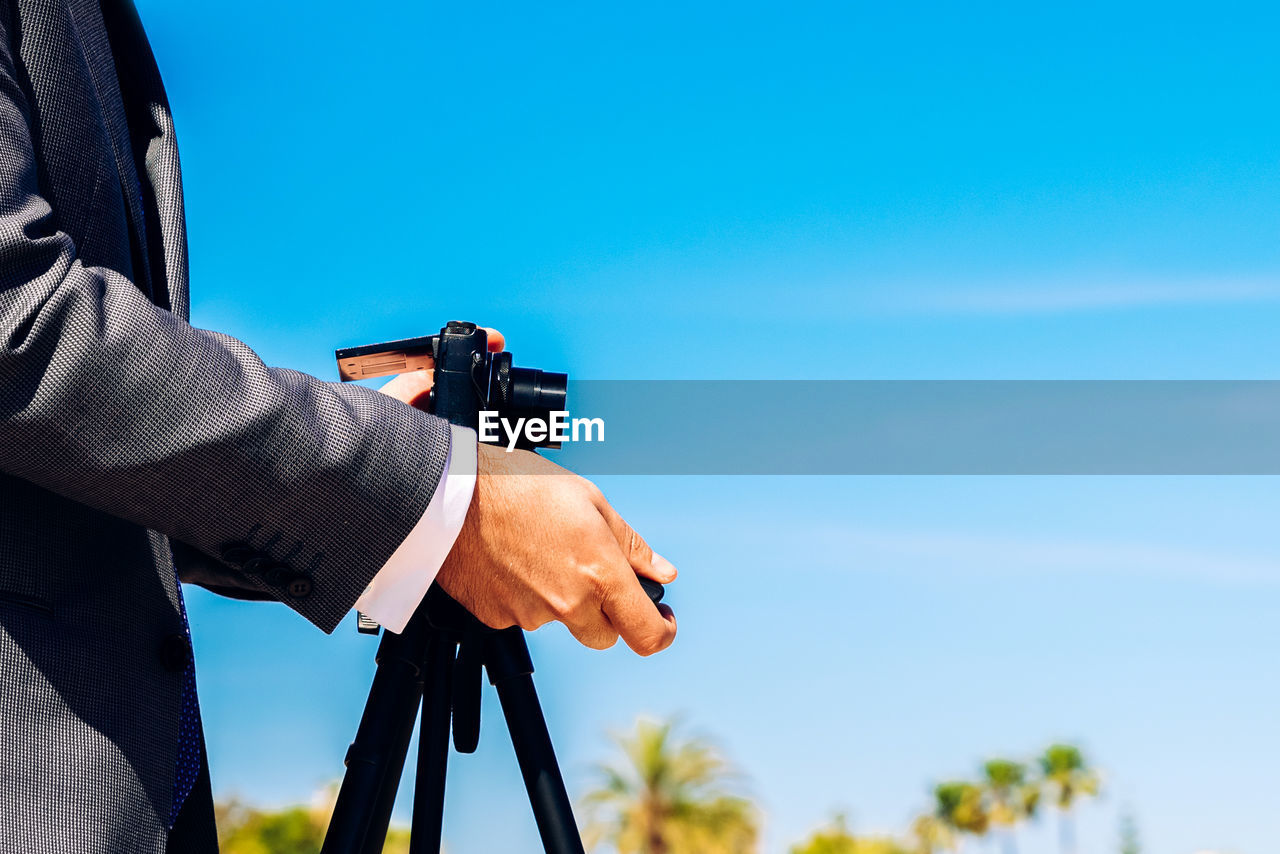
(526, 393)
(533, 389)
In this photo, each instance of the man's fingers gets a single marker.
(593, 629)
(664, 571)
(412, 388)
(646, 629)
(642, 558)
(667, 614)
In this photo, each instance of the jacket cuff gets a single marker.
(397, 590)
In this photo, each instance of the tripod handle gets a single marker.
(652, 589)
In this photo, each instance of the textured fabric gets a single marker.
(398, 588)
(195, 831)
(189, 762)
(124, 431)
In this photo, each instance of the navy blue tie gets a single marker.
(187, 768)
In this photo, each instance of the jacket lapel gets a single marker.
(154, 151)
(97, 54)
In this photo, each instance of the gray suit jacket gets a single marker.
(124, 432)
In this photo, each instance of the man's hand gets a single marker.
(541, 544)
(413, 387)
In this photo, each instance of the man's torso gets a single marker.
(92, 644)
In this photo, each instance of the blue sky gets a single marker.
(650, 191)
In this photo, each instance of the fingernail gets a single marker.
(663, 568)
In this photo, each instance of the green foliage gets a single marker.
(1013, 797)
(669, 796)
(243, 829)
(1007, 794)
(930, 834)
(837, 839)
(1068, 775)
(961, 806)
(251, 831)
(1130, 842)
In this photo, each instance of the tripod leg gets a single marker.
(375, 838)
(511, 672)
(376, 757)
(433, 746)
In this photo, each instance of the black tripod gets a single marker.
(442, 650)
(438, 658)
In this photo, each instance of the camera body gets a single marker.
(468, 378)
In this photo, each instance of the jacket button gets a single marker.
(237, 553)
(256, 564)
(276, 573)
(175, 653)
(299, 587)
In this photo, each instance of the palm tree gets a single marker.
(959, 806)
(1130, 843)
(1013, 798)
(669, 796)
(838, 839)
(1069, 778)
(300, 829)
(930, 834)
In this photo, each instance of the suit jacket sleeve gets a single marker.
(298, 488)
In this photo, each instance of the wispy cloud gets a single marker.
(1039, 297)
(1003, 553)
(829, 546)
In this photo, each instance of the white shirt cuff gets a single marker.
(398, 588)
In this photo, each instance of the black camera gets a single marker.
(468, 378)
